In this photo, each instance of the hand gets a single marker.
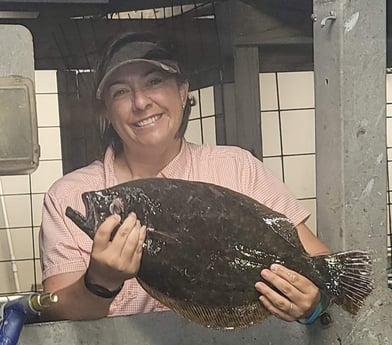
(113, 262)
(299, 295)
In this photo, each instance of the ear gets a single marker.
(184, 90)
(103, 111)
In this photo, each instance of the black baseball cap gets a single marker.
(137, 51)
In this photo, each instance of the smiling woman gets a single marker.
(144, 105)
(143, 101)
(161, 69)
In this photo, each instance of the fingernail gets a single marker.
(117, 216)
(265, 273)
(274, 267)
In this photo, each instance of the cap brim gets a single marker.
(169, 67)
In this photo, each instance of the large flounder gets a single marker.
(206, 245)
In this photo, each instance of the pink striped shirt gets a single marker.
(65, 248)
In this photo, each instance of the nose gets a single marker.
(140, 99)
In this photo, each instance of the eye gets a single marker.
(153, 82)
(119, 92)
(116, 207)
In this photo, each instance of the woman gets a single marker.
(142, 95)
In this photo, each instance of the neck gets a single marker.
(133, 164)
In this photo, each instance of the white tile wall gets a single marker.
(298, 131)
(207, 103)
(47, 110)
(7, 284)
(50, 143)
(26, 274)
(22, 240)
(275, 165)
(37, 201)
(270, 133)
(209, 136)
(23, 195)
(201, 127)
(389, 151)
(389, 88)
(288, 133)
(17, 184)
(389, 130)
(45, 175)
(268, 91)
(299, 172)
(17, 211)
(296, 90)
(193, 132)
(45, 82)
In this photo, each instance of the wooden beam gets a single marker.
(247, 95)
(75, 44)
(252, 26)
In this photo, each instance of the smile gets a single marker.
(148, 121)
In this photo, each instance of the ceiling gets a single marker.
(72, 8)
(68, 34)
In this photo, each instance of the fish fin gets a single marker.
(284, 228)
(351, 278)
(216, 317)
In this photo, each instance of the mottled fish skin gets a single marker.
(206, 245)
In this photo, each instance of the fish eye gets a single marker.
(116, 207)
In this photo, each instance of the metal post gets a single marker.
(349, 64)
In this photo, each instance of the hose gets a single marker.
(15, 313)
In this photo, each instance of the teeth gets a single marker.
(148, 121)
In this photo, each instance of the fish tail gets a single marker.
(350, 278)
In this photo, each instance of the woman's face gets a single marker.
(144, 104)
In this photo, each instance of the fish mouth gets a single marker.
(148, 121)
(87, 224)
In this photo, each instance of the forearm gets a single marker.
(311, 243)
(75, 303)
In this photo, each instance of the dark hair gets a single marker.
(164, 50)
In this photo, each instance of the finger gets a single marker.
(131, 242)
(280, 302)
(102, 235)
(285, 310)
(301, 283)
(142, 237)
(289, 275)
(297, 288)
(280, 283)
(123, 232)
(138, 251)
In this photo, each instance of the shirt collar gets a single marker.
(108, 165)
(177, 168)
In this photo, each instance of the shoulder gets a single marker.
(228, 166)
(78, 181)
(220, 152)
